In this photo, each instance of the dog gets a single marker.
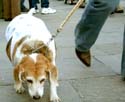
(32, 58)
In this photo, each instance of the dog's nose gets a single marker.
(36, 97)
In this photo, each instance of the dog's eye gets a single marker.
(29, 81)
(42, 80)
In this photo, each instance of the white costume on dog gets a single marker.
(28, 25)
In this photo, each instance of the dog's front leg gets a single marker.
(53, 78)
(18, 83)
(19, 87)
(53, 92)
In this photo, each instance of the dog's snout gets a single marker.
(36, 97)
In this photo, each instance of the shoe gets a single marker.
(123, 78)
(36, 11)
(48, 10)
(83, 4)
(119, 9)
(24, 9)
(8, 19)
(84, 57)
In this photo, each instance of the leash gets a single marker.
(62, 24)
(69, 15)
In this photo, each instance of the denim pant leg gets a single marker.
(22, 4)
(44, 3)
(123, 57)
(32, 3)
(91, 22)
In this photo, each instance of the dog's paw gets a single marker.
(19, 89)
(55, 99)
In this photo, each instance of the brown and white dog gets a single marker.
(24, 34)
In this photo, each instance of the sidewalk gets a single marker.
(99, 83)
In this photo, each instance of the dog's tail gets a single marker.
(31, 11)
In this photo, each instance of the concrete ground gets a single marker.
(99, 83)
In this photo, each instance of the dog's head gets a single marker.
(35, 69)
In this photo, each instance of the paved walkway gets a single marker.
(99, 83)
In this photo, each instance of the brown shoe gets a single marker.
(8, 19)
(84, 57)
(119, 9)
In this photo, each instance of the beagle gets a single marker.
(24, 34)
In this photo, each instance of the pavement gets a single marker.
(77, 83)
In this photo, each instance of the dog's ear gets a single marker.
(21, 73)
(52, 74)
(18, 73)
(8, 49)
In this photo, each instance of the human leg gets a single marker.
(7, 11)
(15, 8)
(32, 3)
(92, 20)
(88, 28)
(44, 3)
(45, 7)
(123, 59)
(22, 3)
(118, 9)
(23, 8)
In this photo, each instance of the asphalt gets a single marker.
(77, 83)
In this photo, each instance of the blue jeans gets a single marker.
(22, 4)
(92, 20)
(44, 3)
(32, 3)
